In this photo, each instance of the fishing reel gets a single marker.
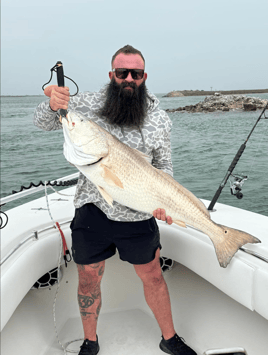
(236, 182)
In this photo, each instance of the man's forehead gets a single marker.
(129, 61)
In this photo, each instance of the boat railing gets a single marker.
(34, 236)
(33, 189)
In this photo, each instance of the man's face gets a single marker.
(126, 99)
(128, 61)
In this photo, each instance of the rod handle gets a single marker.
(237, 157)
(60, 80)
(215, 198)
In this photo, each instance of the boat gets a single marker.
(216, 310)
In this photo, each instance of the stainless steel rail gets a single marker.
(34, 237)
(254, 253)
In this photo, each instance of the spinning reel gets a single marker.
(236, 182)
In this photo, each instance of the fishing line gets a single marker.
(65, 350)
(258, 149)
(54, 69)
(60, 193)
(58, 68)
(58, 266)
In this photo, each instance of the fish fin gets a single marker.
(110, 177)
(180, 223)
(105, 195)
(229, 242)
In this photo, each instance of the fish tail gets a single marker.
(228, 241)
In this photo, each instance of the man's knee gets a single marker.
(151, 272)
(90, 276)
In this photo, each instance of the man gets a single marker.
(127, 110)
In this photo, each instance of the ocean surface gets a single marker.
(203, 146)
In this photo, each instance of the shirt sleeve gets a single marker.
(45, 118)
(162, 152)
(48, 120)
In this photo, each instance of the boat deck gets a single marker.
(203, 315)
(130, 332)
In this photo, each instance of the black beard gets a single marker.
(125, 107)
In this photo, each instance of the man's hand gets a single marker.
(59, 97)
(161, 214)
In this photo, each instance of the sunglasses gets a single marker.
(122, 73)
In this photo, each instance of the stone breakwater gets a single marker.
(219, 102)
(175, 93)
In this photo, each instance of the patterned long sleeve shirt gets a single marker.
(153, 139)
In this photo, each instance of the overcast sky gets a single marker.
(190, 44)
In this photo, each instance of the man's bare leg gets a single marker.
(157, 295)
(89, 296)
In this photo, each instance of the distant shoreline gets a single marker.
(21, 95)
(180, 93)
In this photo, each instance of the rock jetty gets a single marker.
(219, 102)
(177, 93)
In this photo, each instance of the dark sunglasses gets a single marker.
(122, 73)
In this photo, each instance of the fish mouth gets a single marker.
(68, 122)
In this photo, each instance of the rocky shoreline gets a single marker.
(177, 93)
(219, 102)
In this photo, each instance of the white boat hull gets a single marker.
(213, 308)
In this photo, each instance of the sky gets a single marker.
(187, 45)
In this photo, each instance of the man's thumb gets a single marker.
(48, 90)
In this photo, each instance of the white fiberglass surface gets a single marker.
(204, 316)
(131, 332)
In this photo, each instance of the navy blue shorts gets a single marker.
(95, 238)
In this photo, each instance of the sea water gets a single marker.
(203, 147)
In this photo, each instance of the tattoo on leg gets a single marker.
(95, 266)
(85, 314)
(98, 310)
(89, 290)
(85, 301)
(101, 271)
(80, 267)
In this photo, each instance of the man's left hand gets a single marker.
(161, 214)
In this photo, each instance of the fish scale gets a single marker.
(124, 175)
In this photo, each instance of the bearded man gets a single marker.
(127, 110)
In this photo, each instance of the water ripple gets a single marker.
(203, 146)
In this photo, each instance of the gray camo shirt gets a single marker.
(152, 139)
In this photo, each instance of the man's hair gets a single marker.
(127, 50)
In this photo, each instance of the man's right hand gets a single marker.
(59, 97)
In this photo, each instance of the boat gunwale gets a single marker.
(35, 234)
(33, 237)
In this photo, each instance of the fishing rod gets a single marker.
(236, 188)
